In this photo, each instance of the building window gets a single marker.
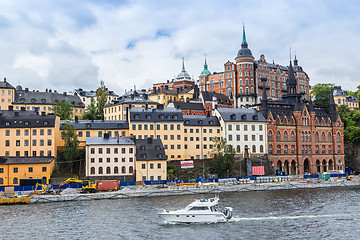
(100, 170)
(123, 169)
(108, 170)
(7, 132)
(143, 166)
(92, 170)
(44, 169)
(100, 150)
(16, 170)
(15, 181)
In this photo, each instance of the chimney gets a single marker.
(46, 90)
(76, 119)
(64, 93)
(50, 90)
(4, 79)
(11, 108)
(166, 87)
(154, 89)
(146, 106)
(26, 90)
(106, 136)
(22, 108)
(149, 140)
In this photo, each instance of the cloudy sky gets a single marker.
(69, 44)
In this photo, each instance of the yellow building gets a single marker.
(95, 128)
(26, 134)
(341, 98)
(183, 137)
(163, 95)
(7, 94)
(19, 99)
(12, 169)
(118, 109)
(151, 164)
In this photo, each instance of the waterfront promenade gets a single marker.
(154, 191)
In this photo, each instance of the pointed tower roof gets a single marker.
(291, 76)
(183, 75)
(205, 72)
(244, 52)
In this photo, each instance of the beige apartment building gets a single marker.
(110, 158)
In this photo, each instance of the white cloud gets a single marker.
(70, 44)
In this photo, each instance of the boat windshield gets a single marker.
(198, 209)
(213, 209)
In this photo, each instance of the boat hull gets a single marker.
(193, 217)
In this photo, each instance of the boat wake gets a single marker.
(238, 219)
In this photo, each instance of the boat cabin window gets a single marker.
(198, 208)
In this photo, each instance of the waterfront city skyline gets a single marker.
(66, 45)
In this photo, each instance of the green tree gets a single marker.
(222, 157)
(63, 109)
(90, 111)
(321, 92)
(71, 151)
(101, 99)
(342, 109)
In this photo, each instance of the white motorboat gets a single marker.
(199, 211)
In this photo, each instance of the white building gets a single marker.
(243, 127)
(110, 157)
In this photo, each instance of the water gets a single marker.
(285, 214)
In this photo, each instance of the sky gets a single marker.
(67, 44)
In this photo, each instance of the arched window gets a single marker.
(338, 139)
(270, 150)
(238, 148)
(261, 148)
(123, 169)
(292, 136)
(316, 137)
(100, 170)
(92, 170)
(270, 136)
(253, 149)
(329, 137)
(323, 137)
(285, 149)
(285, 136)
(116, 170)
(278, 136)
(108, 170)
(278, 149)
(15, 181)
(302, 136)
(309, 136)
(131, 169)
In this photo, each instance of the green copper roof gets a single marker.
(205, 72)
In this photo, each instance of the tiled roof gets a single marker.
(36, 97)
(25, 160)
(26, 120)
(240, 115)
(97, 124)
(149, 149)
(199, 120)
(156, 115)
(109, 141)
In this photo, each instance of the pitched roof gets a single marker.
(240, 115)
(199, 120)
(26, 160)
(36, 97)
(156, 115)
(5, 84)
(97, 124)
(109, 141)
(149, 149)
(187, 105)
(26, 120)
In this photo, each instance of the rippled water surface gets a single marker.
(285, 214)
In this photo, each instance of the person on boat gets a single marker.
(202, 199)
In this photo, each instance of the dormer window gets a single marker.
(157, 147)
(162, 117)
(22, 100)
(88, 125)
(43, 100)
(255, 117)
(200, 122)
(33, 100)
(26, 123)
(7, 123)
(136, 116)
(233, 117)
(243, 117)
(46, 123)
(168, 117)
(120, 125)
(148, 117)
(142, 148)
(175, 117)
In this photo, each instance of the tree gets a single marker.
(71, 141)
(63, 109)
(101, 99)
(90, 111)
(322, 92)
(222, 156)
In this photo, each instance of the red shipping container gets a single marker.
(107, 185)
(258, 170)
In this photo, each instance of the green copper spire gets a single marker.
(244, 37)
(205, 72)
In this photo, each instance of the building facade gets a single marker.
(110, 157)
(342, 98)
(242, 78)
(150, 161)
(302, 138)
(243, 128)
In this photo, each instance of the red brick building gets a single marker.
(242, 78)
(302, 138)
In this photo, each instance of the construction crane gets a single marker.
(87, 186)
